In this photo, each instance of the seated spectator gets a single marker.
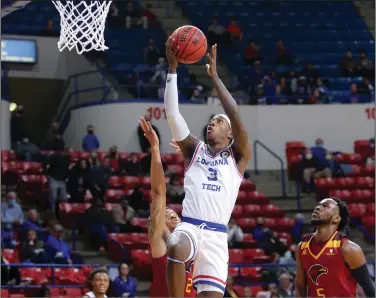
(353, 96)
(144, 143)
(334, 166)
(152, 54)
(27, 151)
(297, 230)
(11, 212)
(114, 159)
(139, 202)
(215, 32)
(122, 222)
(113, 15)
(260, 98)
(259, 230)
(270, 274)
(10, 275)
(288, 259)
(251, 53)
(230, 291)
(160, 76)
(33, 222)
(149, 15)
(17, 126)
(319, 151)
(131, 166)
(311, 74)
(196, 95)
(365, 66)
(129, 212)
(281, 97)
(78, 181)
(124, 285)
(268, 291)
(308, 166)
(57, 169)
(365, 87)
(283, 56)
(302, 91)
(93, 161)
(32, 249)
(234, 31)
(99, 178)
(174, 190)
(348, 64)
(213, 98)
(90, 142)
(57, 144)
(57, 250)
(235, 235)
(286, 287)
(134, 17)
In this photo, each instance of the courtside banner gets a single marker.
(338, 125)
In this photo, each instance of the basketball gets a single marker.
(191, 42)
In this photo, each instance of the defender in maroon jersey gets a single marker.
(328, 263)
(162, 221)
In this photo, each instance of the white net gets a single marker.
(82, 25)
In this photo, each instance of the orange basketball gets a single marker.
(192, 44)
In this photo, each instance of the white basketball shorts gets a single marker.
(210, 253)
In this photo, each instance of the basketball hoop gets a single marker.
(82, 25)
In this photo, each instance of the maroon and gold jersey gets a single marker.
(326, 272)
(158, 286)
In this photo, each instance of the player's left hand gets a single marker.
(149, 132)
(175, 145)
(211, 67)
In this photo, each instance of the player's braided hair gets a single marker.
(344, 213)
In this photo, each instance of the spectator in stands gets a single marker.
(268, 291)
(348, 64)
(288, 259)
(281, 97)
(129, 212)
(213, 98)
(99, 177)
(259, 230)
(302, 92)
(215, 32)
(235, 235)
(196, 95)
(101, 222)
(123, 221)
(27, 151)
(124, 285)
(174, 190)
(90, 142)
(230, 291)
(139, 202)
(159, 77)
(58, 143)
(297, 230)
(131, 166)
(11, 212)
(334, 165)
(260, 98)
(10, 275)
(152, 54)
(32, 249)
(134, 17)
(149, 15)
(17, 126)
(251, 53)
(247, 292)
(365, 87)
(282, 57)
(53, 134)
(286, 288)
(311, 74)
(93, 161)
(78, 181)
(44, 291)
(115, 161)
(234, 31)
(57, 169)
(353, 96)
(113, 15)
(33, 222)
(144, 144)
(365, 66)
(308, 166)
(57, 250)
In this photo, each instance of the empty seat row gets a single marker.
(352, 196)
(345, 183)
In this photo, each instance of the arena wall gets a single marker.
(337, 125)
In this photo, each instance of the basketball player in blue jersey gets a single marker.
(213, 174)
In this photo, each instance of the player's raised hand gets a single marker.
(149, 132)
(211, 67)
(171, 54)
(175, 145)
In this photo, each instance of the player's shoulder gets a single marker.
(349, 247)
(305, 239)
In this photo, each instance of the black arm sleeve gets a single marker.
(361, 274)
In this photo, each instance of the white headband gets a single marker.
(225, 117)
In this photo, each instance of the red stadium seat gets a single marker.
(285, 238)
(116, 182)
(11, 255)
(369, 223)
(363, 196)
(131, 182)
(18, 295)
(252, 274)
(142, 257)
(345, 195)
(55, 292)
(109, 206)
(294, 148)
(270, 223)
(177, 158)
(237, 212)
(11, 166)
(368, 170)
(252, 210)
(236, 256)
(357, 210)
(356, 171)
(257, 197)
(29, 167)
(345, 183)
(363, 147)
(167, 158)
(255, 290)
(247, 185)
(365, 182)
(145, 182)
(370, 209)
(232, 271)
(285, 224)
(271, 211)
(247, 224)
(250, 254)
(177, 169)
(7, 155)
(239, 290)
(140, 222)
(72, 292)
(4, 292)
(242, 197)
(114, 195)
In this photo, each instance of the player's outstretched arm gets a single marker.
(355, 259)
(300, 279)
(178, 126)
(241, 140)
(158, 190)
